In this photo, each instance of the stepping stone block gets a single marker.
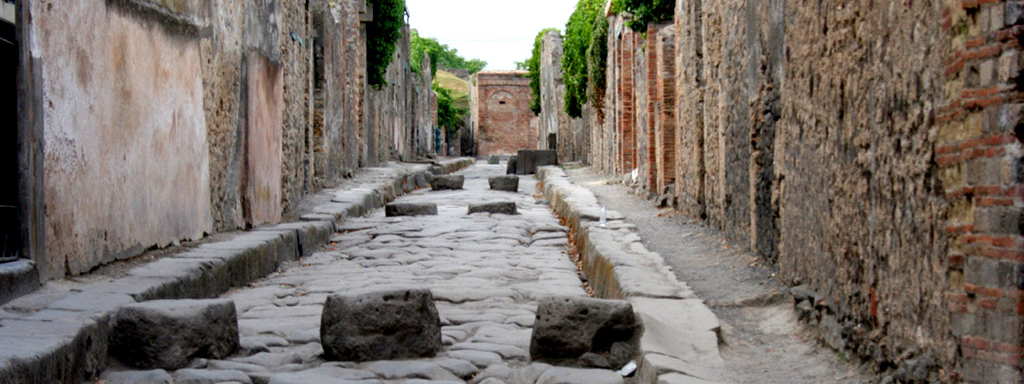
(504, 183)
(494, 160)
(585, 332)
(527, 161)
(157, 376)
(408, 209)
(503, 207)
(510, 168)
(447, 182)
(168, 334)
(380, 325)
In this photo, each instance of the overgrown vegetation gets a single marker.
(441, 56)
(644, 12)
(532, 65)
(382, 35)
(451, 109)
(597, 64)
(579, 35)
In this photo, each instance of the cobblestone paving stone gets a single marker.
(486, 272)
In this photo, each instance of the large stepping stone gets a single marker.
(502, 207)
(168, 334)
(527, 161)
(562, 375)
(447, 182)
(510, 168)
(210, 376)
(380, 325)
(583, 331)
(157, 376)
(508, 183)
(410, 209)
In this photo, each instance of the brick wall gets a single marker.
(503, 119)
(978, 154)
(626, 100)
(664, 101)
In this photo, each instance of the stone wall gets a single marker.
(571, 135)
(125, 137)
(870, 152)
(502, 122)
(165, 121)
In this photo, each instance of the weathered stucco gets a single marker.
(265, 107)
(126, 165)
(166, 120)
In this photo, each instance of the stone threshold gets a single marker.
(60, 333)
(680, 340)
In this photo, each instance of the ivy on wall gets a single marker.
(579, 35)
(382, 35)
(644, 12)
(597, 63)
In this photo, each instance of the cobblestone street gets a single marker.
(486, 273)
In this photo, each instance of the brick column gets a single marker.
(652, 95)
(666, 100)
(627, 143)
(978, 154)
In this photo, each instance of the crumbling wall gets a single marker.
(296, 41)
(553, 119)
(401, 128)
(871, 152)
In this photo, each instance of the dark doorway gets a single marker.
(553, 141)
(10, 213)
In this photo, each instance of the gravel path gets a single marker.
(762, 340)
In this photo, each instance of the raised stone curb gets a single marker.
(59, 334)
(680, 340)
(17, 278)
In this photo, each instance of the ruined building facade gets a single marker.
(870, 151)
(500, 116)
(145, 123)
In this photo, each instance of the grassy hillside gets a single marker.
(459, 87)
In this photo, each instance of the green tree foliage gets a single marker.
(441, 55)
(382, 34)
(645, 12)
(450, 113)
(532, 65)
(578, 37)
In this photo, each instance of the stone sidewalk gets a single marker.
(60, 333)
(486, 272)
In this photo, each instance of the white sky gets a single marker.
(500, 32)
